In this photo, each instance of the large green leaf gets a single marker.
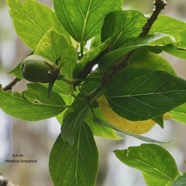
(74, 119)
(158, 166)
(124, 25)
(179, 113)
(175, 27)
(32, 20)
(54, 45)
(74, 164)
(33, 104)
(116, 55)
(83, 19)
(141, 94)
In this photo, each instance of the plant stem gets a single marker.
(159, 5)
(11, 84)
(81, 49)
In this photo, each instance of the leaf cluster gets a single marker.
(123, 62)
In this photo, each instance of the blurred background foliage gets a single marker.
(34, 140)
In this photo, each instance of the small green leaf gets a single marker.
(33, 104)
(123, 25)
(100, 130)
(179, 113)
(180, 181)
(83, 19)
(32, 20)
(141, 94)
(75, 164)
(74, 119)
(158, 166)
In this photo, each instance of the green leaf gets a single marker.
(74, 164)
(68, 100)
(116, 55)
(179, 113)
(176, 28)
(159, 121)
(33, 104)
(137, 136)
(95, 41)
(143, 59)
(52, 46)
(84, 19)
(180, 181)
(175, 51)
(158, 166)
(141, 94)
(17, 72)
(74, 119)
(32, 20)
(124, 25)
(100, 130)
(90, 57)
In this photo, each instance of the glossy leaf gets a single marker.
(157, 165)
(179, 113)
(33, 104)
(74, 164)
(151, 40)
(83, 19)
(141, 94)
(32, 20)
(176, 28)
(74, 119)
(123, 25)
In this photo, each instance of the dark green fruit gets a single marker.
(36, 68)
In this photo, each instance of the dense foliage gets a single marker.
(123, 65)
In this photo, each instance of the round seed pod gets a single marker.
(36, 68)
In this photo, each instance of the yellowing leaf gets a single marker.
(137, 127)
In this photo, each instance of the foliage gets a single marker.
(138, 84)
